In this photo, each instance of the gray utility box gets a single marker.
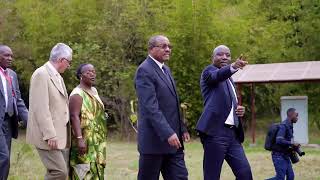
(300, 103)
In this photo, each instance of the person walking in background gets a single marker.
(12, 108)
(161, 131)
(48, 128)
(219, 126)
(88, 120)
(283, 147)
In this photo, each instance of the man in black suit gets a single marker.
(12, 108)
(219, 126)
(161, 131)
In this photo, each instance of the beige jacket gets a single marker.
(48, 109)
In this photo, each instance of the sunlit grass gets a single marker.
(123, 162)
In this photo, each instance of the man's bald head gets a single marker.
(4, 47)
(219, 49)
(221, 56)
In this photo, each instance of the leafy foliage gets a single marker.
(112, 35)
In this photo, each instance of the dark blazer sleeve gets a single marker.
(214, 75)
(21, 107)
(280, 138)
(146, 93)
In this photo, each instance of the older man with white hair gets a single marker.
(48, 127)
(219, 126)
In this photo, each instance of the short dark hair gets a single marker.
(79, 70)
(290, 111)
(153, 40)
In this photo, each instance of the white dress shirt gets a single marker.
(157, 62)
(4, 85)
(230, 118)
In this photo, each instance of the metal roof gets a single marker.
(294, 97)
(279, 72)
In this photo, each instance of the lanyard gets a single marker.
(9, 80)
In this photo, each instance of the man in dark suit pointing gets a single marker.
(219, 126)
(161, 131)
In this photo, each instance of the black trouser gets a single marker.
(224, 147)
(171, 166)
(5, 147)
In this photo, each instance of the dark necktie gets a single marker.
(234, 102)
(166, 73)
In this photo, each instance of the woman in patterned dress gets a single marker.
(88, 149)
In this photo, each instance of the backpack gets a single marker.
(270, 141)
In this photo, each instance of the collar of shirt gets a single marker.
(157, 62)
(288, 123)
(4, 82)
(233, 70)
(3, 69)
(3, 76)
(54, 70)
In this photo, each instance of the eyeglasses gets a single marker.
(69, 61)
(164, 46)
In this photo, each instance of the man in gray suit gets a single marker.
(12, 108)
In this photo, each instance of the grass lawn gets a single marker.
(123, 162)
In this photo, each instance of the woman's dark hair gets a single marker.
(79, 70)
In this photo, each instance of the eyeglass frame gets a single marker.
(164, 46)
(69, 61)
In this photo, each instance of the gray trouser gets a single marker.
(56, 162)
